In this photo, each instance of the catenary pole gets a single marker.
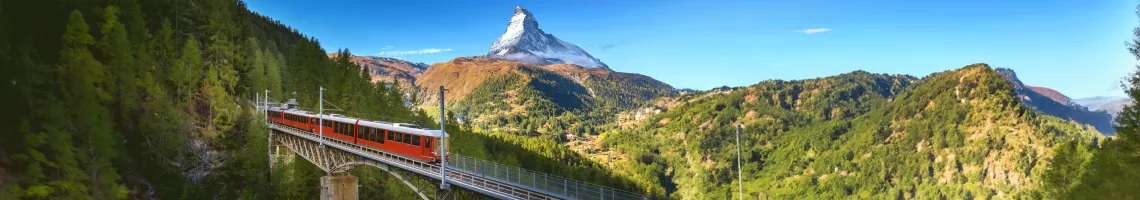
(442, 142)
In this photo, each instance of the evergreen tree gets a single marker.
(186, 73)
(81, 77)
(273, 66)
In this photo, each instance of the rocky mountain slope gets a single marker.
(388, 70)
(1054, 103)
(524, 41)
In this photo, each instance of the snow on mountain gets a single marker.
(525, 42)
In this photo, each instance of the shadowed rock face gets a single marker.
(523, 41)
(1054, 103)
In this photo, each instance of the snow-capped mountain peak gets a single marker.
(525, 42)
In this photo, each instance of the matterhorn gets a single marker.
(525, 42)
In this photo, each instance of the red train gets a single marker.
(404, 139)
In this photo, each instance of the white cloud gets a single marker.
(386, 47)
(813, 30)
(412, 52)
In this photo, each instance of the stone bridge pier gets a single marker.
(339, 186)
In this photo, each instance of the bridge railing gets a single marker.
(533, 180)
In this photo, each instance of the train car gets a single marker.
(339, 127)
(274, 115)
(404, 139)
(299, 119)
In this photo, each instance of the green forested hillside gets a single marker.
(135, 99)
(549, 101)
(955, 134)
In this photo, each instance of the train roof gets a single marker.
(398, 127)
(403, 128)
(300, 112)
(339, 118)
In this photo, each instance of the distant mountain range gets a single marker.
(1112, 105)
(526, 53)
(1054, 103)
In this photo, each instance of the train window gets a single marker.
(346, 129)
(407, 139)
(427, 142)
(376, 136)
(391, 135)
(416, 140)
(360, 132)
(368, 134)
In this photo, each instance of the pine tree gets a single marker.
(256, 76)
(273, 71)
(186, 72)
(165, 52)
(81, 78)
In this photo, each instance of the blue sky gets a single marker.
(1075, 47)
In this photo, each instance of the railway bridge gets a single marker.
(336, 157)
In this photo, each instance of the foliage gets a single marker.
(856, 135)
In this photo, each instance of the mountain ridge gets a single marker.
(389, 70)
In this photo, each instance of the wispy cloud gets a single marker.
(411, 52)
(386, 47)
(813, 30)
(608, 46)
